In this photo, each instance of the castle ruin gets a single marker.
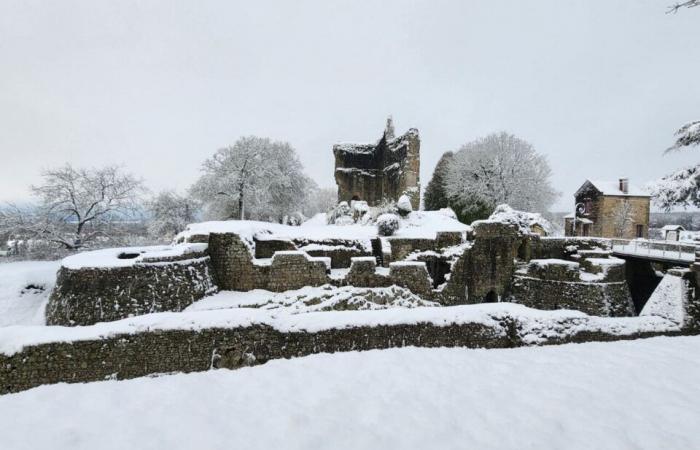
(382, 171)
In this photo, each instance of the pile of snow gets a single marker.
(312, 299)
(426, 224)
(404, 204)
(522, 219)
(128, 256)
(579, 396)
(24, 291)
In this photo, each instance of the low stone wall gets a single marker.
(402, 247)
(91, 295)
(265, 248)
(598, 299)
(413, 275)
(124, 356)
(363, 273)
(563, 247)
(340, 257)
(294, 270)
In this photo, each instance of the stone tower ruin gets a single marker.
(385, 170)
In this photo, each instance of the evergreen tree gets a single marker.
(435, 195)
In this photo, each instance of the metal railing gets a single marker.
(683, 251)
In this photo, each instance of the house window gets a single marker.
(586, 229)
(640, 231)
(587, 206)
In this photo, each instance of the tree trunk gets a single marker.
(240, 206)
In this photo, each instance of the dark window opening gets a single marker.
(587, 206)
(355, 198)
(586, 229)
(640, 231)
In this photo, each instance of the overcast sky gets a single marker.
(597, 86)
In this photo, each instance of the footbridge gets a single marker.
(664, 252)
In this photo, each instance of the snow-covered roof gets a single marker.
(672, 228)
(613, 188)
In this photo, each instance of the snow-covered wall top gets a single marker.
(418, 224)
(129, 256)
(534, 325)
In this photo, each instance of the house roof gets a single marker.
(672, 228)
(613, 188)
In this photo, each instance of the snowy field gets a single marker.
(24, 291)
(639, 394)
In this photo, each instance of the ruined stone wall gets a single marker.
(265, 248)
(383, 171)
(363, 273)
(597, 299)
(484, 272)
(127, 356)
(90, 295)
(294, 270)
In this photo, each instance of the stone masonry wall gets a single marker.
(91, 295)
(294, 270)
(597, 299)
(134, 355)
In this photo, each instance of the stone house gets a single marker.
(379, 171)
(609, 209)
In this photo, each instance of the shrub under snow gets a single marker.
(387, 224)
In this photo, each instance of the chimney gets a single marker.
(624, 185)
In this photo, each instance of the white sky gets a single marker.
(597, 86)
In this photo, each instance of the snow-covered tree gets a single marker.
(499, 168)
(74, 206)
(255, 178)
(681, 188)
(435, 195)
(170, 213)
(320, 200)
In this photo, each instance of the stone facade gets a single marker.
(610, 213)
(382, 171)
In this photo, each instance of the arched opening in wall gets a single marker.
(491, 297)
(355, 198)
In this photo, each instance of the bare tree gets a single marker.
(622, 218)
(74, 206)
(686, 4)
(170, 213)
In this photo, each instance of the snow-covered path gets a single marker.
(637, 394)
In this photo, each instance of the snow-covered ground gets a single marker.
(639, 394)
(24, 290)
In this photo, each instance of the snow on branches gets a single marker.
(681, 188)
(255, 178)
(687, 136)
(74, 205)
(500, 168)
